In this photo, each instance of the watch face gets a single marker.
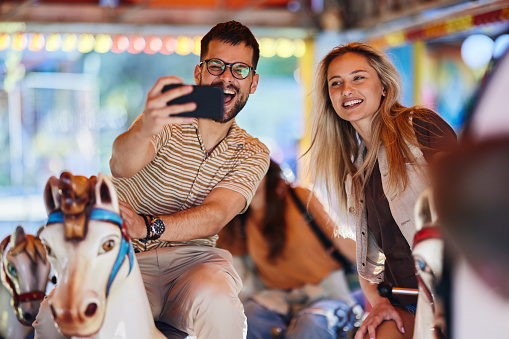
(158, 226)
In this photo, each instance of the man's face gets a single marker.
(236, 91)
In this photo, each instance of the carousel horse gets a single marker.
(428, 253)
(428, 257)
(100, 292)
(24, 275)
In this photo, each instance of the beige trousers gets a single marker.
(192, 288)
(195, 289)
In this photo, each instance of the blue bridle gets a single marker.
(126, 247)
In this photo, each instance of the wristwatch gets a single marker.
(157, 228)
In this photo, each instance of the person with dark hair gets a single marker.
(303, 286)
(371, 154)
(180, 181)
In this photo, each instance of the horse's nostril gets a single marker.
(91, 308)
(29, 317)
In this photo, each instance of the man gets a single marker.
(180, 180)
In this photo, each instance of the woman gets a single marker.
(371, 154)
(301, 280)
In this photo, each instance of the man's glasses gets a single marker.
(239, 70)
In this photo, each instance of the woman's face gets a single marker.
(355, 89)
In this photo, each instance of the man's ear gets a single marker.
(254, 84)
(197, 74)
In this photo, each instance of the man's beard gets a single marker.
(239, 104)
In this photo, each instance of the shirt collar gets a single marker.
(234, 138)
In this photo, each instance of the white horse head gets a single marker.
(24, 276)
(428, 256)
(99, 290)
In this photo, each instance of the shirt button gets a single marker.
(351, 210)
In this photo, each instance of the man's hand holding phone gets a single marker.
(170, 101)
(157, 113)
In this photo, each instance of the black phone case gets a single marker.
(209, 101)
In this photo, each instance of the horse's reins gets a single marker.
(426, 233)
(18, 298)
(125, 245)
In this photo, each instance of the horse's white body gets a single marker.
(428, 256)
(82, 305)
(83, 276)
(24, 277)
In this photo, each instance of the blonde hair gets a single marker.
(335, 143)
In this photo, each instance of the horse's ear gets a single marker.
(38, 233)
(425, 213)
(18, 236)
(51, 196)
(105, 195)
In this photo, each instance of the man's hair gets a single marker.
(231, 32)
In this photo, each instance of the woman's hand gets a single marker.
(382, 311)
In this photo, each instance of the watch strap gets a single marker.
(148, 224)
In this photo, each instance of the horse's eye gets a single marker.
(49, 251)
(422, 266)
(108, 245)
(12, 270)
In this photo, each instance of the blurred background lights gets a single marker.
(154, 45)
(293, 6)
(267, 47)
(103, 43)
(501, 45)
(86, 43)
(53, 42)
(299, 48)
(70, 42)
(169, 45)
(36, 42)
(120, 44)
(185, 45)
(19, 42)
(477, 50)
(296, 75)
(136, 44)
(285, 48)
(197, 45)
(5, 41)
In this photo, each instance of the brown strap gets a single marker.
(326, 242)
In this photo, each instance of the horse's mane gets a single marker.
(74, 196)
(32, 247)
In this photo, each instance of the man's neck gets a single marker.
(212, 133)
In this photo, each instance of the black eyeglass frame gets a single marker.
(226, 64)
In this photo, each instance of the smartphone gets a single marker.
(209, 101)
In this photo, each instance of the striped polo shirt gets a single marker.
(181, 174)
